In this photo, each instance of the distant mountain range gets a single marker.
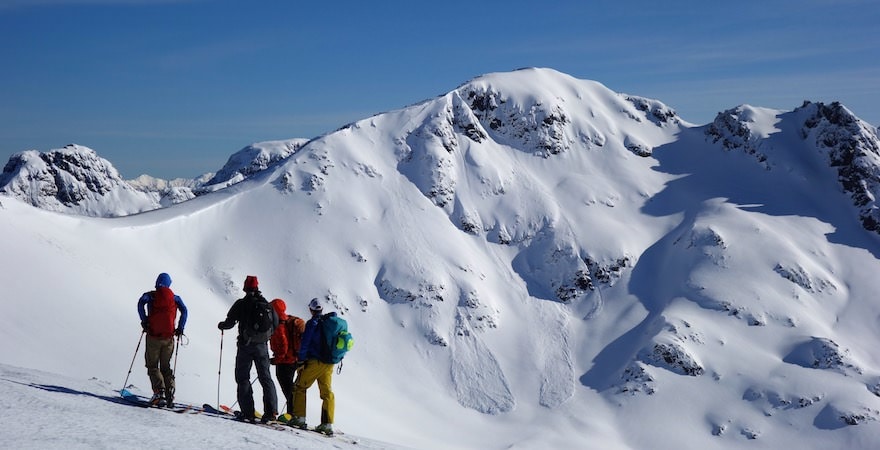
(75, 180)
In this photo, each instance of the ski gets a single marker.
(133, 399)
(227, 413)
(209, 409)
(143, 402)
(285, 419)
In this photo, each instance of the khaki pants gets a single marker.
(158, 359)
(315, 370)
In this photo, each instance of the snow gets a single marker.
(46, 410)
(529, 261)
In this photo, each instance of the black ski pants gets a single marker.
(254, 355)
(285, 374)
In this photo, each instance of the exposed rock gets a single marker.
(674, 357)
(853, 148)
(822, 353)
(731, 128)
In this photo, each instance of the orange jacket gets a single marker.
(286, 340)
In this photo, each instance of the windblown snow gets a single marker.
(528, 261)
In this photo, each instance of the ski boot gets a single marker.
(158, 399)
(325, 428)
(298, 422)
(169, 398)
(268, 417)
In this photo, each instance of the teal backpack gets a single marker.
(337, 341)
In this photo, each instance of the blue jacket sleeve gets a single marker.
(145, 299)
(183, 314)
(305, 349)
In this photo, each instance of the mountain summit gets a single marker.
(72, 179)
(529, 260)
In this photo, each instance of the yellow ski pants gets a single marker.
(312, 371)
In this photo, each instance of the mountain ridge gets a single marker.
(75, 180)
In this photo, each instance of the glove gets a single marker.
(178, 332)
(145, 325)
(272, 360)
(224, 326)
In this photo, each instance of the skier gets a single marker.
(157, 310)
(285, 345)
(256, 323)
(313, 369)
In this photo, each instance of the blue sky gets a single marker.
(173, 87)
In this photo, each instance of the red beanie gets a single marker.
(250, 283)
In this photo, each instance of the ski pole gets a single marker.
(218, 370)
(133, 358)
(236, 401)
(176, 351)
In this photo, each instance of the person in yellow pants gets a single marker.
(313, 369)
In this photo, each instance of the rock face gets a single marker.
(853, 149)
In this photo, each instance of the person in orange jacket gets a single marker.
(285, 343)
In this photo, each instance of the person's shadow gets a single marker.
(66, 390)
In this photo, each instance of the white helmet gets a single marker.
(316, 305)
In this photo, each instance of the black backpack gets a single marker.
(259, 321)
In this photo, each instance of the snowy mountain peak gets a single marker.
(72, 179)
(253, 159)
(547, 112)
(744, 128)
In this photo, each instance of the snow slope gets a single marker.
(528, 261)
(46, 410)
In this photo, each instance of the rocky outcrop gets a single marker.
(853, 149)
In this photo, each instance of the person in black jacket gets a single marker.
(256, 323)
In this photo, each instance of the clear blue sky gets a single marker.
(173, 87)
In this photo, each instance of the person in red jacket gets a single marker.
(158, 322)
(285, 343)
